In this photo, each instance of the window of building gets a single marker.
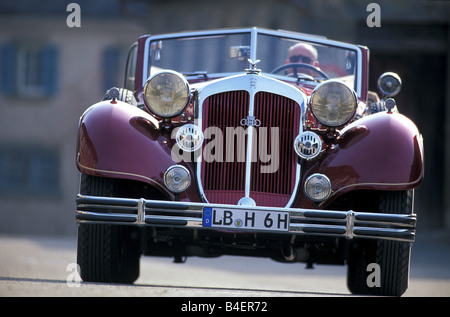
(28, 69)
(32, 172)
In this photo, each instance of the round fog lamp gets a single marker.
(177, 178)
(317, 187)
(189, 137)
(307, 145)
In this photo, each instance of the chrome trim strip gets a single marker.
(248, 158)
(253, 43)
(141, 211)
(349, 224)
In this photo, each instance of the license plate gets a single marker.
(245, 219)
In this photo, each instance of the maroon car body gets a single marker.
(324, 171)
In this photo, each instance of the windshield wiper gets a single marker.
(203, 74)
(301, 77)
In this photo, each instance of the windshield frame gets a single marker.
(254, 32)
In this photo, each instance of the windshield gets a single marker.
(210, 54)
(306, 60)
(280, 56)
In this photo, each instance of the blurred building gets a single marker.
(50, 73)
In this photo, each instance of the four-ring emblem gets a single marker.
(250, 121)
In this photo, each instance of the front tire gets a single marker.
(106, 253)
(390, 258)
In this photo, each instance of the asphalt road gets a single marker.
(44, 266)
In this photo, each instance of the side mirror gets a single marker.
(389, 84)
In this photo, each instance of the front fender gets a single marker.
(118, 140)
(383, 151)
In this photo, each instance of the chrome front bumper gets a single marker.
(348, 224)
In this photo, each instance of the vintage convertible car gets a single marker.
(249, 142)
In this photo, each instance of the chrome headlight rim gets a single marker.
(351, 96)
(183, 85)
(168, 181)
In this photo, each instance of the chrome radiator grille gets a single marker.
(272, 181)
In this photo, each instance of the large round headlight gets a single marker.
(166, 94)
(333, 103)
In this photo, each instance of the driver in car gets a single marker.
(305, 54)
